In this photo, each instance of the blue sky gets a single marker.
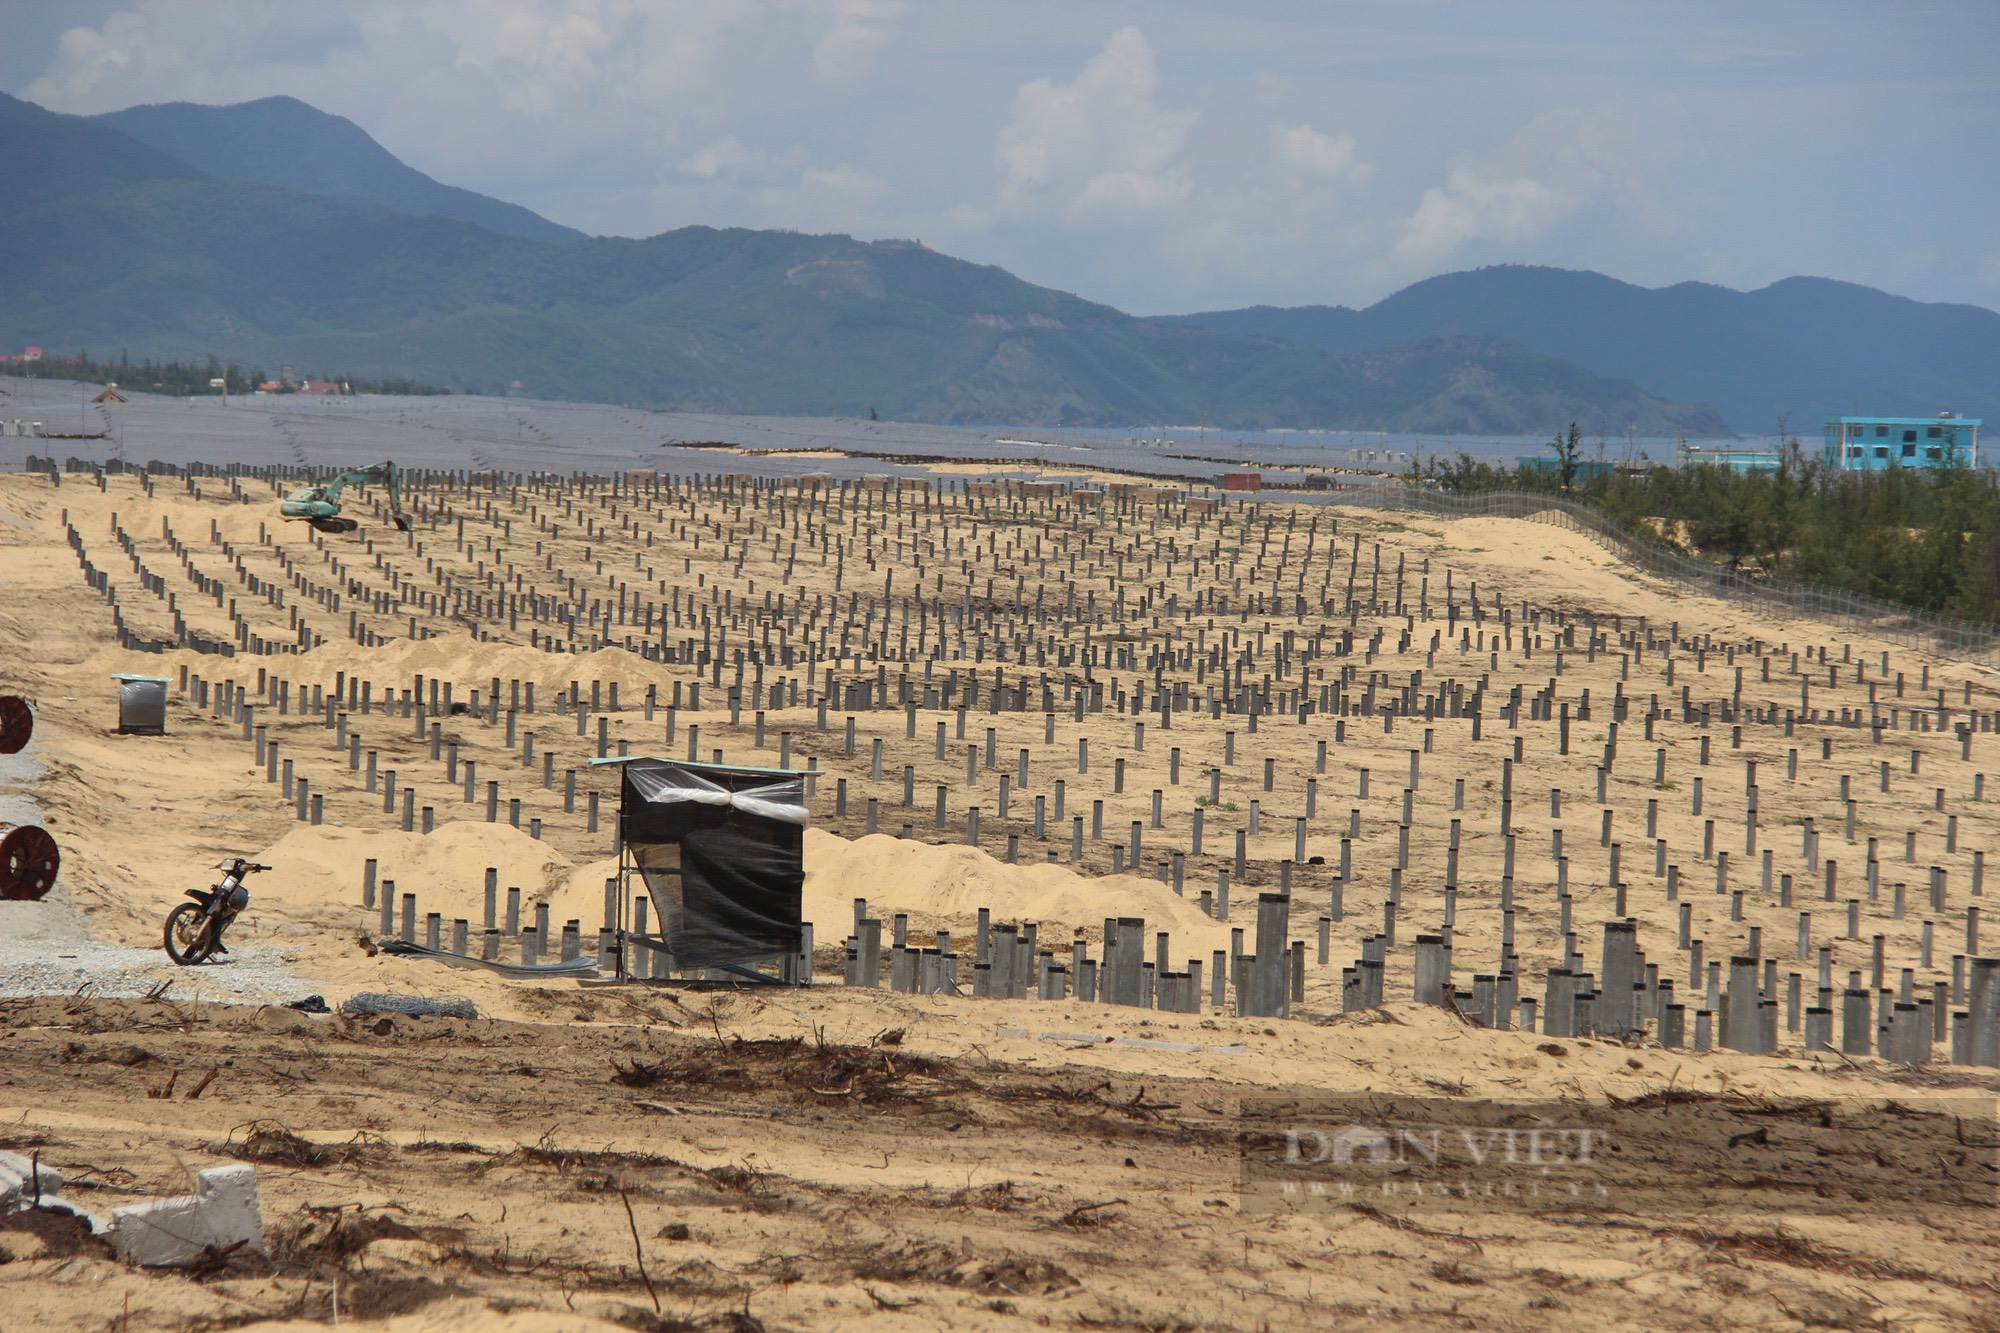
(1158, 156)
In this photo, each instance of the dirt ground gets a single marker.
(823, 1157)
(438, 1170)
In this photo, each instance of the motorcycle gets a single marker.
(194, 930)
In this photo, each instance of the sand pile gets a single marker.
(954, 882)
(472, 664)
(320, 869)
(580, 894)
(316, 870)
(309, 908)
(1545, 561)
(941, 886)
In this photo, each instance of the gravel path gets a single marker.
(46, 949)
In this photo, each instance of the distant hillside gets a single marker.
(1489, 386)
(1809, 347)
(282, 141)
(126, 247)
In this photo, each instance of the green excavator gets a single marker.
(319, 504)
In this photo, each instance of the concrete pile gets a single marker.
(221, 1217)
(26, 1183)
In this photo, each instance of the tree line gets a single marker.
(1924, 538)
(188, 378)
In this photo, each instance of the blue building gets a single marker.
(1876, 444)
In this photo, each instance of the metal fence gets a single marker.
(1940, 635)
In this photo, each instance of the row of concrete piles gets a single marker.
(530, 929)
(1629, 994)
(1626, 998)
(1010, 962)
(532, 939)
(235, 702)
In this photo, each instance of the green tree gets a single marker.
(1569, 449)
(1927, 538)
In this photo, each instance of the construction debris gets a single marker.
(575, 967)
(220, 1218)
(25, 1183)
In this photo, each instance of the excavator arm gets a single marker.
(319, 504)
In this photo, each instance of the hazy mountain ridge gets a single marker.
(132, 248)
(284, 142)
(1807, 347)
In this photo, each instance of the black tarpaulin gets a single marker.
(736, 836)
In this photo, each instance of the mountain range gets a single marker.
(270, 231)
(1801, 349)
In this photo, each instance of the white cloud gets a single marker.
(541, 60)
(1284, 219)
(1477, 205)
(821, 197)
(845, 57)
(141, 53)
(1304, 153)
(1271, 89)
(1109, 154)
(598, 112)
(775, 188)
(727, 156)
(86, 58)
(1100, 150)
(549, 59)
(1562, 164)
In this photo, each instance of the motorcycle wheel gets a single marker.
(190, 937)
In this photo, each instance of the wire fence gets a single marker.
(1940, 635)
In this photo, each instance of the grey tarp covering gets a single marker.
(736, 836)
